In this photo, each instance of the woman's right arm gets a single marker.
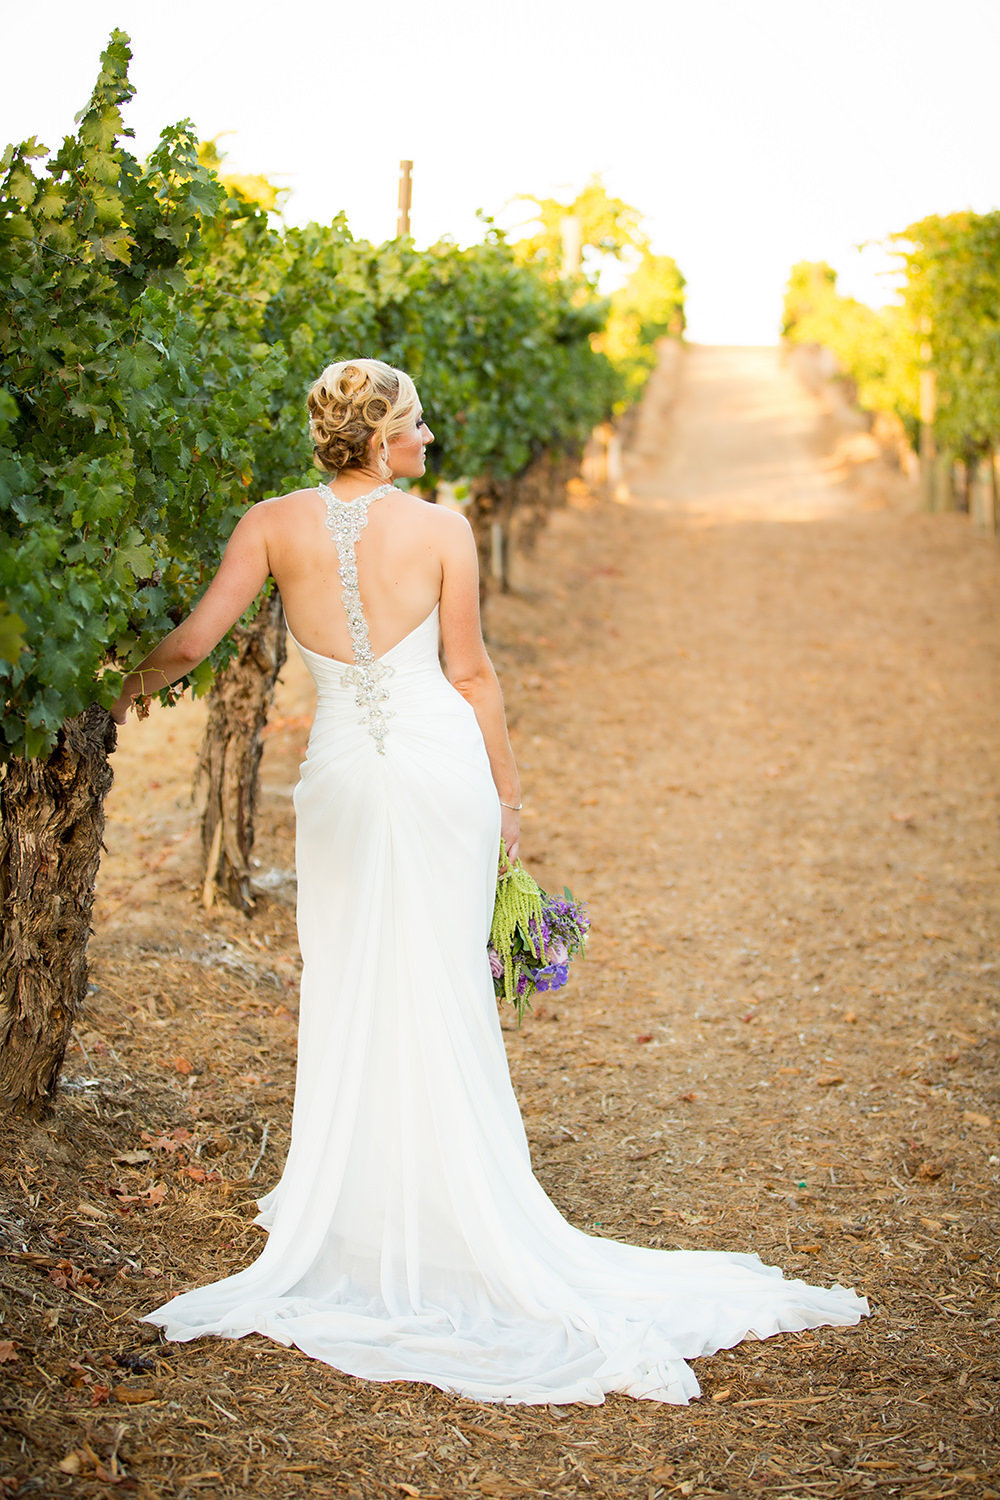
(470, 670)
(240, 577)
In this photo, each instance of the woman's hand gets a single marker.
(510, 831)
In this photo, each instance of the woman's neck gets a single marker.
(350, 483)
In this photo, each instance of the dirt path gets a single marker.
(757, 715)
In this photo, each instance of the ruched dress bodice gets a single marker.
(417, 694)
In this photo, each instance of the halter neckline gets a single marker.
(375, 494)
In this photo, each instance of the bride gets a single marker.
(407, 1237)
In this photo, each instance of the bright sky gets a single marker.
(751, 133)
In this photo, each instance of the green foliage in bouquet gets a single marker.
(533, 936)
(517, 910)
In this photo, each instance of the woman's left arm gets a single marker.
(241, 575)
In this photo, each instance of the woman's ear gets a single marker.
(379, 456)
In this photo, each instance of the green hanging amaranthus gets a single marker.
(533, 936)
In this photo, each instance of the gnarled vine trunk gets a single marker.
(490, 511)
(51, 827)
(507, 514)
(230, 755)
(482, 514)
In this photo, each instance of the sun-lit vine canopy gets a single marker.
(953, 298)
(948, 321)
(157, 337)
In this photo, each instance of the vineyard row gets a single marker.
(930, 361)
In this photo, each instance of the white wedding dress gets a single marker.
(408, 1238)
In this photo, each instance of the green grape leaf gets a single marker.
(12, 631)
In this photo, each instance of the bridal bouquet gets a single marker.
(533, 936)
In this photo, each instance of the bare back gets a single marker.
(400, 558)
(410, 556)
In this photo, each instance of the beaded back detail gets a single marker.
(346, 521)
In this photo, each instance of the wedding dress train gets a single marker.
(408, 1238)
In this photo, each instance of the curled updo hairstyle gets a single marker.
(352, 403)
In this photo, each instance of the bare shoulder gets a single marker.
(451, 528)
(279, 504)
(445, 531)
(272, 515)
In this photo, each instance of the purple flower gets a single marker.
(541, 948)
(551, 977)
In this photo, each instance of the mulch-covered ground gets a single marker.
(756, 708)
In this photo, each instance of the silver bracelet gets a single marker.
(511, 808)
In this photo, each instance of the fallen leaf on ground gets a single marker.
(65, 1274)
(133, 1395)
(171, 1141)
(199, 1174)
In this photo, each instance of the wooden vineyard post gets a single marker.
(595, 458)
(929, 471)
(981, 495)
(405, 199)
(616, 467)
(497, 551)
(984, 493)
(571, 233)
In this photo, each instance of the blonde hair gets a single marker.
(352, 403)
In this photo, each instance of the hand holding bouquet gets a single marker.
(533, 936)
